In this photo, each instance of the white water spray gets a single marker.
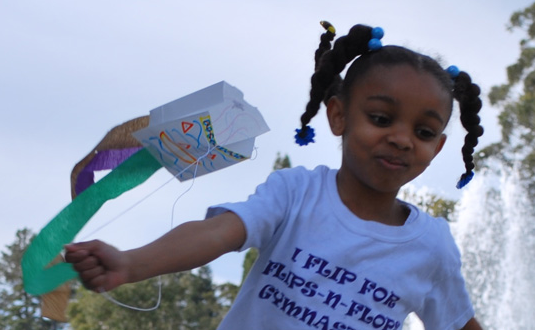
(494, 227)
(495, 232)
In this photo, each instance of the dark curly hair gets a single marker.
(326, 81)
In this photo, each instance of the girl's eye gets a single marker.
(380, 120)
(425, 133)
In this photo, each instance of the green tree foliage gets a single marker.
(226, 294)
(18, 309)
(190, 301)
(516, 98)
(282, 162)
(251, 255)
(431, 203)
(248, 262)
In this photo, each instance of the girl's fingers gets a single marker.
(86, 264)
(88, 276)
(95, 262)
(77, 252)
(76, 256)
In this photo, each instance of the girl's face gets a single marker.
(391, 128)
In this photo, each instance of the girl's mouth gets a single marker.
(392, 163)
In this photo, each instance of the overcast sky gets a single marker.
(71, 70)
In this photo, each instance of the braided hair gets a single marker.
(467, 94)
(325, 41)
(326, 82)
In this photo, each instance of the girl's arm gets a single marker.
(190, 245)
(472, 325)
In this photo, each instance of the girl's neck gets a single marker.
(372, 205)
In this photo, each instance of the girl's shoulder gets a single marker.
(437, 236)
(300, 180)
(320, 172)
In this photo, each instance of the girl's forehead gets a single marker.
(403, 84)
(402, 77)
(410, 72)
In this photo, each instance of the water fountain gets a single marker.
(495, 231)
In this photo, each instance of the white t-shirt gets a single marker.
(322, 267)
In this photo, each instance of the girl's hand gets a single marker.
(472, 325)
(101, 267)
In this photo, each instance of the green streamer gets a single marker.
(38, 279)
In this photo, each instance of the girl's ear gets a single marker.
(440, 144)
(336, 115)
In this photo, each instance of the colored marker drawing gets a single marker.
(209, 131)
(182, 143)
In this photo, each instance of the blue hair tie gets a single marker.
(453, 71)
(375, 42)
(304, 140)
(465, 178)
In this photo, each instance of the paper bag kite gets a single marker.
(214, 126)
(197, 134)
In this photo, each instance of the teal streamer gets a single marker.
(37, 277)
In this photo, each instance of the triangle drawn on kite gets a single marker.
(186, 126)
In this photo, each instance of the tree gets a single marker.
(430, 203)
(281, 162)
(189, 301)
(517, 100)
(248, 262)
(18, 309)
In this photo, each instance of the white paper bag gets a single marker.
(214, 127)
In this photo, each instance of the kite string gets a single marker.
(140, 309)
(187, 190)
(211, 147)
(128, 209)
(106, 294)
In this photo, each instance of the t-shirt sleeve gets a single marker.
(447, 306)
(263, 212)
(445, 302)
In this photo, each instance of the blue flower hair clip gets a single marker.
(465, 178)
(375, 42)
(304, 138)
(453, 71)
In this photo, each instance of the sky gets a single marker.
(72, 70)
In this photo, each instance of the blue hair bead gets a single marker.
(375, 44)
(304, 140)
(465, 179)
(453, 71)
(378, 33)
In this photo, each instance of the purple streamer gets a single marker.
(103, 160)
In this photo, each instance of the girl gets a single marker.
(337, 249)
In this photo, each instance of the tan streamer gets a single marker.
(54, 304)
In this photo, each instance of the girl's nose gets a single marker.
(400, 137)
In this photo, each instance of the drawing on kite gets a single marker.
(167, 144)
(189, 142)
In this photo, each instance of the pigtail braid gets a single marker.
(329, 65)
(467, 94)
(325, 42)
